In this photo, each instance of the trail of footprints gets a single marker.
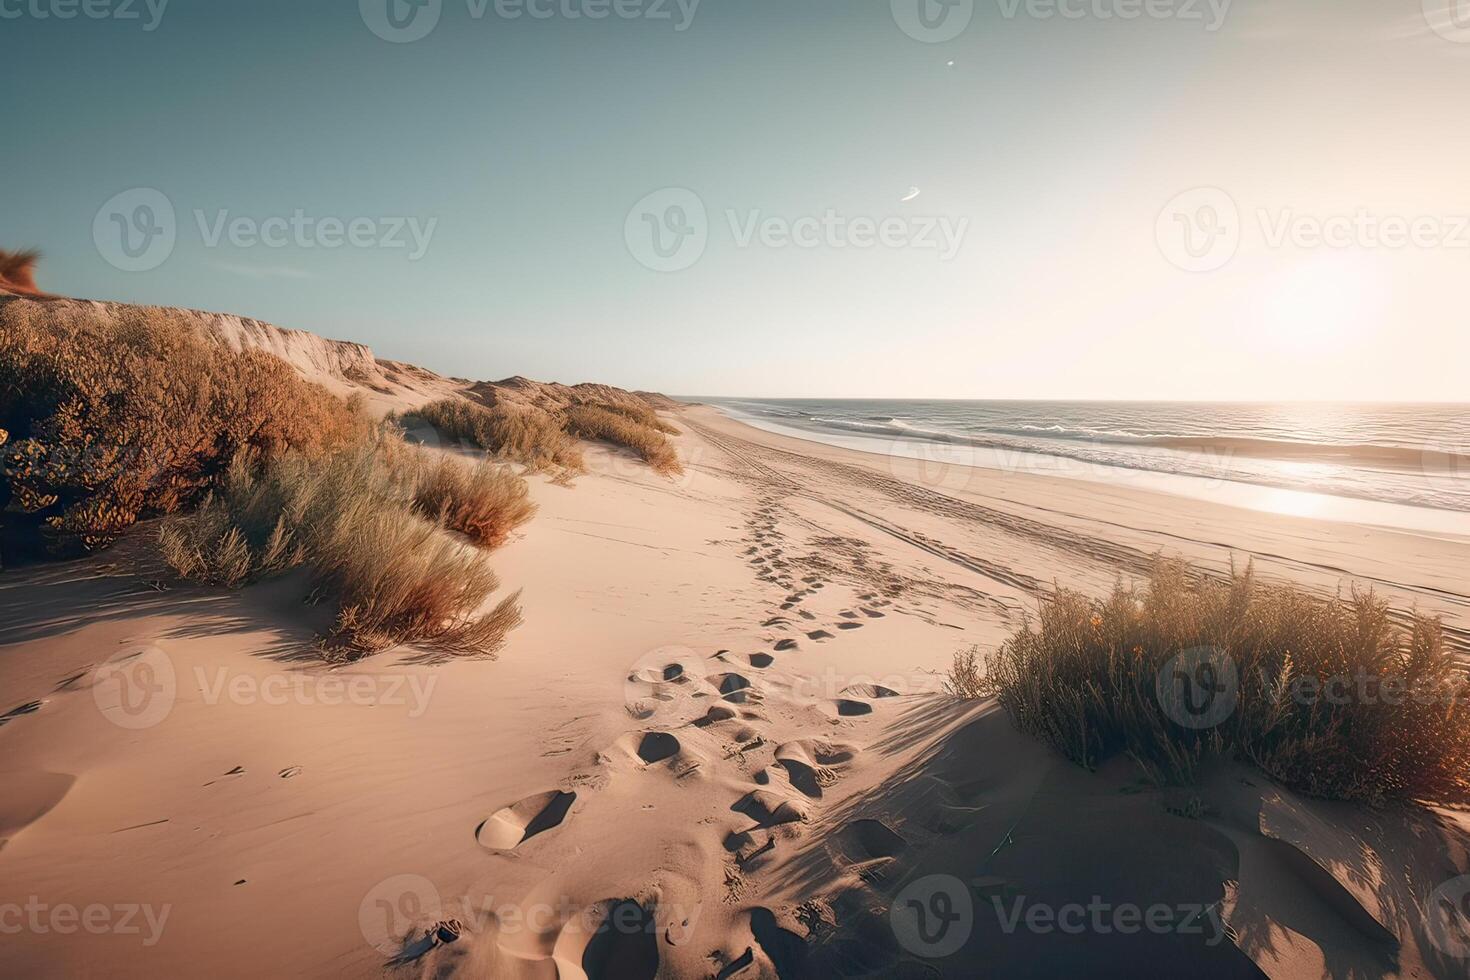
(787, 779)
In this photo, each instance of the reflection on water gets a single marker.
(1403, 454)
(944, 465)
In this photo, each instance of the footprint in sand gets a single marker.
(870, 848)
(784, 645)
(524, 819)
(716, 713)
(867, 839)
(849, 708)
(849, 626)
(768, 809)
(289, 771)
(657, 746)
(623, 946)
(819, 635)
(729, 683)
(29, 795)
(808, 764)
(871, 613)
(757, 660)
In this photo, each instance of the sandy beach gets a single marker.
(721, 723)
(919, 490)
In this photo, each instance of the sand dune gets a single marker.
(687, 762)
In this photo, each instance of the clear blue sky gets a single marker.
(1056, 141)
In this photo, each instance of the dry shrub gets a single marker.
(483, 501)
(1332, 698)
(17, 271)
(966, 677)
(637, 410)
(589, 421)
(353, 517)
(525, 435)
(116, 413)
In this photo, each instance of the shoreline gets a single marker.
(1258, 496)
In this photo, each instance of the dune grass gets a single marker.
(367, 521)
(116, 413)
(638, 411)
(1329, 697)
(546, 440)
(603, 421)
(529, 436)
(482, 501)
(109, 414)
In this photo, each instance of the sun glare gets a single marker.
(1322, 302)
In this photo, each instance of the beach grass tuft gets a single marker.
(1330, 696)
(372, 522)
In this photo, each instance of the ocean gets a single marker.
(1404, 455)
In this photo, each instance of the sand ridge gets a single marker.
(682, 765)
